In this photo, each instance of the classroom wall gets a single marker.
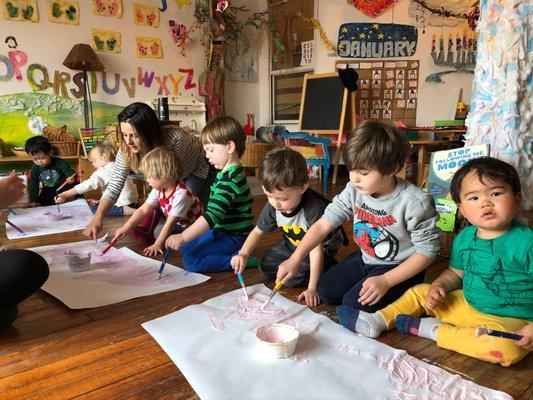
(436, 101)
(47, 43)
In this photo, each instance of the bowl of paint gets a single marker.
(78, 261)
(277, 340)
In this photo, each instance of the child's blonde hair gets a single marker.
(161, 163)
(223, 130)
(103, 149)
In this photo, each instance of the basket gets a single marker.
(445, 243)
(66, 148)
(254, 153)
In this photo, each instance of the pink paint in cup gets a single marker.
(277, 340)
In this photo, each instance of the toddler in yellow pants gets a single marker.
(492, 262)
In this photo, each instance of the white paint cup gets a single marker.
(78, 262)
(277, 340)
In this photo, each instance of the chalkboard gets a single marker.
(323, 104)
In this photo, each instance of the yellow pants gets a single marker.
(460, 320)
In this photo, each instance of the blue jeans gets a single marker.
(343, 282)
(113, 212)
(211, 251)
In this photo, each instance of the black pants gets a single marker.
(281, 252)
(22, 272)
(342, 283)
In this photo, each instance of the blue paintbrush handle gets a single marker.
(240, 278)
(168, 252)
(506, 335)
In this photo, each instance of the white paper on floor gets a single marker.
(39, 221)
(330, 361)
(120, 274)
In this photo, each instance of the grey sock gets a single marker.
(428, 328)
(370, 325)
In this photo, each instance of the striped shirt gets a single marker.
(188, 147)
(230, 204)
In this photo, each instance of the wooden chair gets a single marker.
(314, 149)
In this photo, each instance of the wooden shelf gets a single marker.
(15, 158)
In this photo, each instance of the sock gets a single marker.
(423, 327)
(7, 316)
(253, 262)
(366, 324)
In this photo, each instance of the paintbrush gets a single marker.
(502, 334)
(277, 287)
(241, 281)
(14, 226)
(113, 242)
(64, 183)
(168, 252)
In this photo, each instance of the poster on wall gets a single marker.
(148, 47)
(63, 11)
(20, 10)
(145, 14)
(104, 40)
(108, 8)
(240, 61)
(365, 40)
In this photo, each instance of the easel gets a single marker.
(342, 117)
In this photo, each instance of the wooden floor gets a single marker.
(52, 352)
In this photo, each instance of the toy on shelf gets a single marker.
(249, 127)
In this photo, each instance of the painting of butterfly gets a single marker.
(63, 12)
(20, 10)
(104, 40)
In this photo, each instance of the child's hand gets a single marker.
(238, 263)
(60, 198)
(175, 241)
(120, 233)
(153, 250)
(286, 269)
(436, 295)
(374, 288)
(527, 341)
(310, 296)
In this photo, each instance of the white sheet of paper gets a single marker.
(34, 221)
(120, 274)
(330, 361)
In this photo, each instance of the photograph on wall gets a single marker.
(148, 47)
(104, 40)
(107, 8)
(145, 14)
(20, 10)
(63, 12)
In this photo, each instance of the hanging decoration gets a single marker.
(365, 40)
(323, 37)
(222, 5)
(460, 55)
(372, 8)
(180, 35)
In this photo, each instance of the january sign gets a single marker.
(362, 40)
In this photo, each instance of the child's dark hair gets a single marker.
(283, 168)
(485, 167)
(374, 145)
(37, 144)
(222, 130)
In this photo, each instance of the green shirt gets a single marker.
(498, 273)
(53, 175)
(230, 202)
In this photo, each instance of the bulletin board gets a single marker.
(90, 136)
(387, 89)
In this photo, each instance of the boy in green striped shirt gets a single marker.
(210, 242)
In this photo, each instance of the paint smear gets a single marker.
(216, 323)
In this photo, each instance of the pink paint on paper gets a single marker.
(215, 321)
(250, 310)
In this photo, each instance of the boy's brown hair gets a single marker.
(485, 167)
(283, 168)
(162, 163)
(378, 146)
(103, 149)
(223, 130)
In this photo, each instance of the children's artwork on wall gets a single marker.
(147, 47)
(182, 3)
(215, 347)
(240, 61)
(118, 275)
(145, 14)
(63, 11)
(104, 40)
(20, 10)
(39, 221)
(107, 8)
(365, 40)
